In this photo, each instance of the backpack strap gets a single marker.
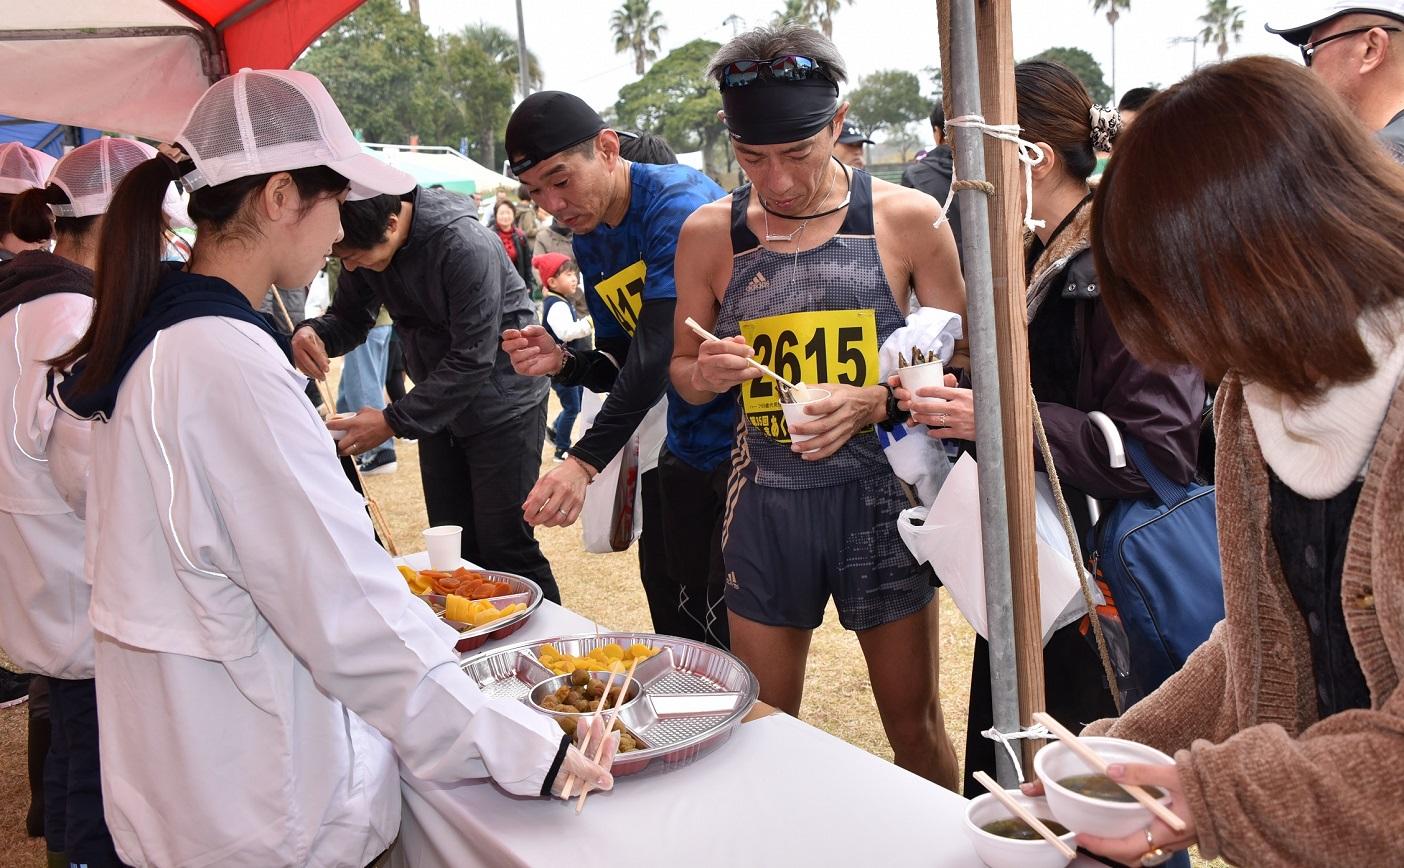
(1169, 492)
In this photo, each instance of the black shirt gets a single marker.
(1311, 537)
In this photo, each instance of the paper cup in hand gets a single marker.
(338, 433)
(795, 414)
(914, 377)
(445, 545)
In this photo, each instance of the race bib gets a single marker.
(827, 346)
(622, 294)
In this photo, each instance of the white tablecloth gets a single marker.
(779, 792)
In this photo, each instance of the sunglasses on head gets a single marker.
(1308, 49)
(786, 67)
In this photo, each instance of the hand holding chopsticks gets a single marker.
(1023, 813)
(1096, 762)
(572, 780)
(609, 725)
(708, 336)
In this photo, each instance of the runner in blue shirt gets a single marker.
(626, 218)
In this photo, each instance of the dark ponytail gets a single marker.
(131, 243)
(32, 221)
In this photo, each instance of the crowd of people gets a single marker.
(167, 480)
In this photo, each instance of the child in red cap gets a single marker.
(561, 278)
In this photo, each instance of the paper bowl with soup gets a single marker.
(1004, 841)
(1087, 801)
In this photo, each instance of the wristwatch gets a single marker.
(895, 414)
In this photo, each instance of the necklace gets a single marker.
(766, 212)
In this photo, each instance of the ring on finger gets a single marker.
(1154, 855)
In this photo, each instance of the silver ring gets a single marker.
(941, 419)
(1150, 838)
(1156, 857)
(562, 512)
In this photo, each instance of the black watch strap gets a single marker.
(895, 414)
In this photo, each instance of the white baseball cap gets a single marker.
(89, 174)
(275, 120)
(23, 168)
(1297, 20)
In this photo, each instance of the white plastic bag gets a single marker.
(606, 498)
(947, 535)
(917, 458)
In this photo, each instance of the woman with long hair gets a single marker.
(1078, 363)
(1275, 259)
(46, 302)
(260, 664)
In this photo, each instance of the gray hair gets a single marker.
(764, 43)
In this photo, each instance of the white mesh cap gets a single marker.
(275, 120)
(23, 168)
(89, 174)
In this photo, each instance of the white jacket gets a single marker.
(256, 648)
(43, 592)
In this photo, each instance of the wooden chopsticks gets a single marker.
(1024, 814)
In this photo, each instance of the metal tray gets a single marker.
(524, 590)
(694, 695)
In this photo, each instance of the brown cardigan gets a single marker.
(1266, 782)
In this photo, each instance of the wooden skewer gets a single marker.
(584, 737)
(377, 517)
(609, 725)
(706, 335)
(1093, 759)
(1024, 814)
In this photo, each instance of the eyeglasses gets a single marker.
(1309, 48)
(786, 67)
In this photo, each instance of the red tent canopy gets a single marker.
(137, 66)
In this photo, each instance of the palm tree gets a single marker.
(501, 46)
(1221, 21)
(795, 12)
(639, 29)
(823, 12)
(1113, 8)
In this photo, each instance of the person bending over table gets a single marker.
(1275, 259)
(445, 279)
(626, 217)
(824, 260)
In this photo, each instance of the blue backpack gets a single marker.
(1159, 558)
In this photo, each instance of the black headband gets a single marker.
(778, 112)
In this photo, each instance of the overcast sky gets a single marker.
(573, 41)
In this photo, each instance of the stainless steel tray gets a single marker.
(524, 590)
(694, 695)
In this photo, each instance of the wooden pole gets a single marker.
(995, 36)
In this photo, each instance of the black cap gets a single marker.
(851, 135)
(547, 123)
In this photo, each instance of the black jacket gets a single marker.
(34, 274)
(932, 176)
(522, 263)
(451, 292)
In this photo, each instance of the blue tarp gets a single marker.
(44, 136)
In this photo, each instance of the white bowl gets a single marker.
(1085, 814)
(998, 852)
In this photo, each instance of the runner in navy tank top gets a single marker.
(812, 265)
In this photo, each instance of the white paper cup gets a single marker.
(337, 434)
(445, 545)
(794, 413)
(914, 377)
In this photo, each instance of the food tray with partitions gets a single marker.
(694, 695)
(471, 638)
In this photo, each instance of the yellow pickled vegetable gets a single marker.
(417, 583)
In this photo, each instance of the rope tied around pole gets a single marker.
(1037, 732)
(1028, 153)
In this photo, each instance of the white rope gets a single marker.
(1037, 732)
(1028, 153)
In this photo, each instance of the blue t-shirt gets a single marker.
(625, 265)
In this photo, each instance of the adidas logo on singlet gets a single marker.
(757, 282)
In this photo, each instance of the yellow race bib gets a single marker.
(826, 346)
(622, 293)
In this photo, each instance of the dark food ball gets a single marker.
(579, 678)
